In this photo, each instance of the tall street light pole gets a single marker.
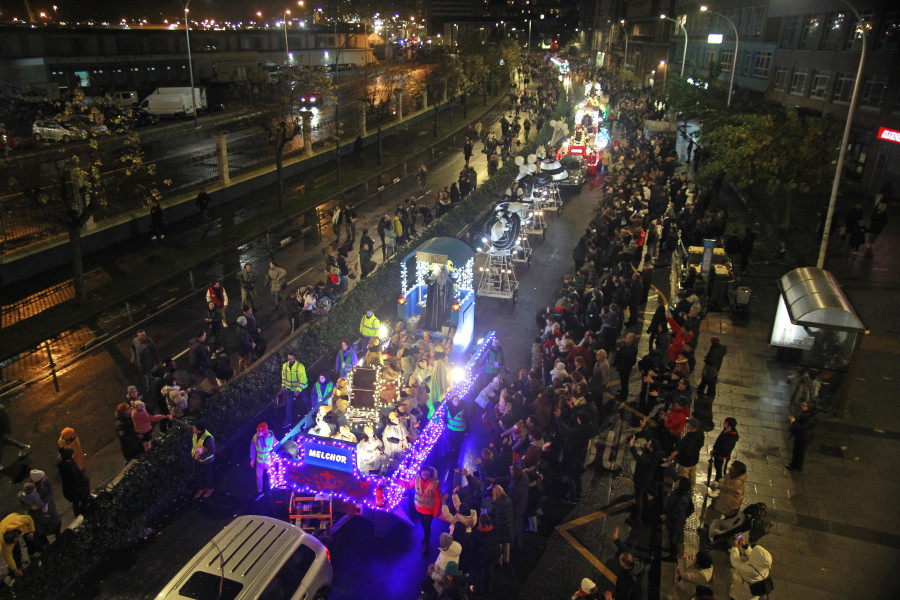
(187, 33)
(287, 50)
(839, 168)
(736, 46)
(680, 22)
(625, 60)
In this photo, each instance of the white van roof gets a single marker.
(240, 552)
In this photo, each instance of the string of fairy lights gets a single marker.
(385, 492)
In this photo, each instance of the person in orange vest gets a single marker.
(427, 500)
(262, 451)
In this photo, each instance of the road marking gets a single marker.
(564, 528)
(300, 275)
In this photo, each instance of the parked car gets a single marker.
(84, 122)
(47, 129)
(259, 558)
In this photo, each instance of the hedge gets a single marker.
(152, 481)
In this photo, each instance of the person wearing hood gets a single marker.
(427, 501)
(440, 376)
(689, 576)
(395, 437)
(748, 566)
(129, 442)
(731, 494)
(12, 527)
(369, 454)
(629, 573)
(449, 552)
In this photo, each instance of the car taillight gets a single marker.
(328, 554)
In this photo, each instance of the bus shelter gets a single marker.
(816, 325)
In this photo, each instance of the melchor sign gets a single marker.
(339, 457)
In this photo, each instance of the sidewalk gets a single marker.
(836, 526)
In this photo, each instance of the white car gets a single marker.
(255, 558)
(46, 129)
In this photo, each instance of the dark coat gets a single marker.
(678, 509)
(689, 448)
(502, 517)
(803, 426)
(128, 440)
(645, 465)
(724, 444)
(75, 484)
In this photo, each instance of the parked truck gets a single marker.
(175, 102)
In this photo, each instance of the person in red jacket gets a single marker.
(682, 335)
(427, 500)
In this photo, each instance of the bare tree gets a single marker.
(280, 105)
(378, 91)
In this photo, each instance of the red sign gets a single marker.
(889, 135)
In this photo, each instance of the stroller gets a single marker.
(752, 519)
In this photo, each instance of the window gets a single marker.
(809, 33)
(833, 29)
(763, 64)
(757, 18)
(843, 88)
(726, 60)
(710, 59)
(290, 576)
(780, 83)
(798, 81)
(789, 31)
(746, 63)
(889, 34)
(873, 91)
(819, 84)
(854, 42)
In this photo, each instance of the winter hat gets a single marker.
(587, 587)
(67, 433)
(140, 406)
(452, 568)
(130, 389)
(242, 321)
(262, 427)
(446, 540)
(36, 475)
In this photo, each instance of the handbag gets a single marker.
(763, 587)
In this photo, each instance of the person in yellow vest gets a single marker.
(262, 451)
(458, 416)
(369, 328)
(12, 527)
(203, 451)
(293, 382)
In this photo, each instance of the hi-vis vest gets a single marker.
(369, 326)
(425, 493)
(198, 451)
(456, 422)
(264, 447)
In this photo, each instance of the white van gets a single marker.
(174, 102)
(255, 557)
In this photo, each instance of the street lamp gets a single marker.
(528, 46)
(287, 50)
(680, 22)
(187, 33)
(662, 65)
(625, 61)
(820, 263)
(736, 46)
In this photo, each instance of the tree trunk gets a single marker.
(788, 207)
(77, 264)
(280, 175)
